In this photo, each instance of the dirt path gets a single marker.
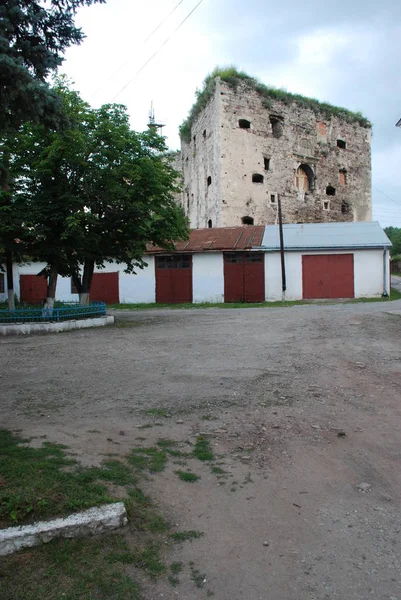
(273, 388)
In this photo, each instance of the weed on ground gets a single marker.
(203, 450)
(184, 536)
(187, 476)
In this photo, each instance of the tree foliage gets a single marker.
(33, 37)
(394, 235)
(94, 191)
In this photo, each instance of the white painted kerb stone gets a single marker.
(86, 523)
(55, 327)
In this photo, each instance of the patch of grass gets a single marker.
(151, 459)
(395, 295)
(149, 559)
(141, 513)
(39, 483)
(184, 536)
(83, 569)
(149, 425)
(207, 418)
(202, 449)
(218, 471)
(176, 568)
(157, 412)
(112, 471)
(174, 581)
(187, 476)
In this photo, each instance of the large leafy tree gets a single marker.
(33, 38)
(95, 191)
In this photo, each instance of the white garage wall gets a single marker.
(368, 273)
(140, 287)
(273, 283)
(208, 277)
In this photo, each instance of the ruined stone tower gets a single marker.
(244, 144)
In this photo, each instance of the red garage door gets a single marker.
(33, 289)
(244, 277)
(174, 278)
(328, 276)
(104, 288)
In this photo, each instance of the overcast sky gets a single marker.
(346, 52)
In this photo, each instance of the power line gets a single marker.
(158, 50)
(385, 195)
(166, 18)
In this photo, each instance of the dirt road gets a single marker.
(276, 390)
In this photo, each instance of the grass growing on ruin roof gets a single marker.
(232, 77)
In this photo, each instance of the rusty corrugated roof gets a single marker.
(218, 238)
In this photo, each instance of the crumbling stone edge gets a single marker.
(28, 328)
(87, 523)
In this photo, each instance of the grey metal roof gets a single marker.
(324, 236)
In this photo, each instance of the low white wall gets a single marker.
(208, 277)
(368, 273)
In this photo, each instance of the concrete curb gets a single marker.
(28, 328)
(86, 523)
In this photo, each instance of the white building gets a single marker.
(241, 264)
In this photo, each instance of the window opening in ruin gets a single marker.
(330, 191)
(257, 178)
(187, 202)
(247, 220)
(343, 176)
(209, 180)
(326, 205)
(266, 163)
(273, 198)
(304, 178)
(344, 208)
(341, 144)
(1, 283)
(209, 223)
(244, 124)
(277, 124)
(204, 133)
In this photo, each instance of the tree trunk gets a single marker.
(89, 267)
(10, 280)
(51, 288)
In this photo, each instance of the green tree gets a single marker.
(394, 235)
(33, 37)
(95, 191)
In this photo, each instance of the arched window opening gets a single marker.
(209, 223)
(330, 191)
(209, 181)
(257, 178)
(244, 124)
(304, 179)
(247, 220)
(277, 124)
(345, 208)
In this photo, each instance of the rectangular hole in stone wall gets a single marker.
(266, 163)
(341, 144)
(326, 205)
(273, 198)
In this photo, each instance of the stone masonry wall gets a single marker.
(287, 136)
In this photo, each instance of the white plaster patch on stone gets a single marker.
(89, 522)
(28, 328)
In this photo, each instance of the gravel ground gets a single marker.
(302, 405)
